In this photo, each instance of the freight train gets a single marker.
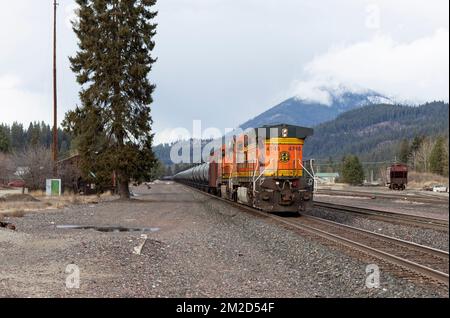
(262, 168)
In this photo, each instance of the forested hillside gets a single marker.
(375, 132)
(301, 112)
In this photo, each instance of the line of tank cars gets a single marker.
(262, 168)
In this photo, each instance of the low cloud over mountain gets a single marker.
(314, 105)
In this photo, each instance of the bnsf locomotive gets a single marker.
(261, 167)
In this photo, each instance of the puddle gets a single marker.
(107, 229)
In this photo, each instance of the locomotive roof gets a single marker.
(293, 131)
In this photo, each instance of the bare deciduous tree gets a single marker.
(7, 168)
(422, 155)
(69, 173)
(36, 164)
(383, 174)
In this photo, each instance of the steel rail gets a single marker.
(437, 275)
(420, 269)
(394, 240)
(387, 215)
(416, 198)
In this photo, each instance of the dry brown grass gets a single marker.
(418, 180)
(48, 203)
(14, 214)
(12, 207)
(37, 194)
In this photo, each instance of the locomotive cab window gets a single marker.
(245, 141)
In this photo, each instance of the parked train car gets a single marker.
(397, 177)
(267, 173)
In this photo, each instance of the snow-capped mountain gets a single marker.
(305, 111)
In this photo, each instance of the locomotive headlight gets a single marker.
(284, 132)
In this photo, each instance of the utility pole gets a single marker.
(55, 97)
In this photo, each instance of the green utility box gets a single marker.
(53, 187)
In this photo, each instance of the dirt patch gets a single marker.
(19, 198)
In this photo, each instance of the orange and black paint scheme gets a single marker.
(263, 169)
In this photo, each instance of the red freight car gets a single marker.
(397, 177)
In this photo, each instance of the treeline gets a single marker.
(17, 138)
(162, 170)
(426, 154)
(162, 151)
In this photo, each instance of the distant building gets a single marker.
(21, 171)
(72, 177)
(327, 177)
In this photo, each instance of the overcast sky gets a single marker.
(226, 61)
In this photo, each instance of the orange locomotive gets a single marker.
(262, 168)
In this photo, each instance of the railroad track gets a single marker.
(420, 221)
(415, 198)
(414, 260)
(424, 260)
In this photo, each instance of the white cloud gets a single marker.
(416, 70)
(19, 104)
(312, 92)
(322, 90)
(237, 56)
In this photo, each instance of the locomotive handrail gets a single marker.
(311, 175)
(256, 180)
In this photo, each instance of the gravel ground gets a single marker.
(203, 248)
(427, 237)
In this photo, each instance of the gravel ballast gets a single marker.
(425, 236)
(200, 248)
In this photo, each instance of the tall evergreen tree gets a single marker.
(17, 136)
(352, 170)
(404, 151)
(34, 134)
(437, 157)
(113, 124)
(445, 161)
(5, 144)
